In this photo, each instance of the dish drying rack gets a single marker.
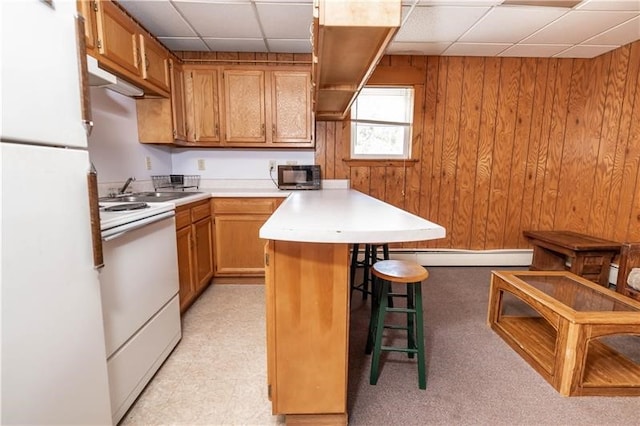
(181, 182)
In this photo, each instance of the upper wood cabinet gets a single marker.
(268, 107)
(349, 38)
(178, 105)
(161, 120)
(88, 9)
(118, 38)
(123, 47)
(292, 120)
(154, 62)
(244, 100)
(202, 102)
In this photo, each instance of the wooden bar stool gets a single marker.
(371, 256)
(402, 272)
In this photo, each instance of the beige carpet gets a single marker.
(217, 374)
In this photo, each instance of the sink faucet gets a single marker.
(126, 185)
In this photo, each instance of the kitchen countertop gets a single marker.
(205, 193)
(345, 216)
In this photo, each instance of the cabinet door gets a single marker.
(203, 252)
(177, 101)
(87, 9)
(203, 105)
(154, 60)
(238, 247)
(184, 244)
(118, 37)
(244, 97)
(291, 106)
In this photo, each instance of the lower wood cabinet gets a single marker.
(239, 251)
(194, 238)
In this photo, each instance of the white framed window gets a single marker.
(381, 123)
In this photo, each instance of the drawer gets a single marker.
(243, 205)
(200, 211)
(183, 217)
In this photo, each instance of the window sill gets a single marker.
(378, 163)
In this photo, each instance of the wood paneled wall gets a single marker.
(508, 144)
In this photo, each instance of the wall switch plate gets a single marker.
(147, 161)
(201, 164)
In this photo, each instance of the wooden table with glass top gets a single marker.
(584, 339)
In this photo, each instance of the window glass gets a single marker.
(381, 121)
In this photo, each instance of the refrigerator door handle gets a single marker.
(94, 212)
(85, 95)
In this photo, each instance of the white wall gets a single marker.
(113, 145)
(234, 163)
(117, 154)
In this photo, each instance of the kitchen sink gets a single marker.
(148, 197)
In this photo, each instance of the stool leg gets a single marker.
(373, 317)
(375, 361)
(354, 266)
(367, 271)
(411, 338)
(422, 381)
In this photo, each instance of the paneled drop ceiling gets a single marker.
(525, 28)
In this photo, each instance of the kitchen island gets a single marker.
(307, 293)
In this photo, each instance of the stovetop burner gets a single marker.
(126, 207)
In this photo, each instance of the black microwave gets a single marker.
(299, 177)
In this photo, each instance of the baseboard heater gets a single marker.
(456, 257)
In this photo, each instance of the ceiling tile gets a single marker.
(285, 20)
(584, 51)
(476, 49)
(511, 24)
(160, 18)
(289, 46)
(577, 26)
(236, 45)
(632, 5)
(620, 35)
(437, 24)
(284, 1)
(534, 50)
(402, 48)
(221, 20)
(459, 2)
(184, 43)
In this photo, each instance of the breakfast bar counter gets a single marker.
(307, 293)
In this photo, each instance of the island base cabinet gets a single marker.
(307, 296)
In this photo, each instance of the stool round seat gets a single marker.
(400, 271)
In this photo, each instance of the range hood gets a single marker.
(101, 78)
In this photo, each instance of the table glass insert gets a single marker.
(574, 294)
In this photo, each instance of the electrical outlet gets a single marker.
(272, 165)
(147, 161)
(201, 164)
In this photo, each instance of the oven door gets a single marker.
(139, 277)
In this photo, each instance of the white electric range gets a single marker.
(139, 287)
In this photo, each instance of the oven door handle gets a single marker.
(112, 234)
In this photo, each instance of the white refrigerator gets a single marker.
(53, 365)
